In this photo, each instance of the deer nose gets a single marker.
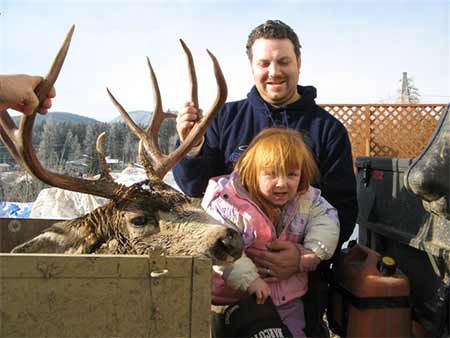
(233, 244)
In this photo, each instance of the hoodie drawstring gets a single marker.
(282, 111)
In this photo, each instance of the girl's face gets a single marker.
(279, 188)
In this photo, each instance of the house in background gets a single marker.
(5, 167)
(114, 163)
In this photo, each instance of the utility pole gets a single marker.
(404, 96)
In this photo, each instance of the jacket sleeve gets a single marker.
(240, 274)
(322, 230)
(338, 184)
(192, 173)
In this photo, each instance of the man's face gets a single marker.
(276, 69)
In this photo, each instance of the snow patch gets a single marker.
(55, 203)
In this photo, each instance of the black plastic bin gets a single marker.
(394, 222)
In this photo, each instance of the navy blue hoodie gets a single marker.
(238, 122)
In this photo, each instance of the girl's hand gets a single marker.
(308, 261)
(261, 289)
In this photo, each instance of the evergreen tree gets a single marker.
(115, 140)
(65, 150)
(165, 138)
(130, 148)
(93, 164)
(47, 146)
(75, 149)
(408, 92)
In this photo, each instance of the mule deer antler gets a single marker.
(20, 143)
(19, 140)
(156, 163)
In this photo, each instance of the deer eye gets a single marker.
(139, 221)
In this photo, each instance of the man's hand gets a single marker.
(280, 262)
(188, 115)
(17, 92)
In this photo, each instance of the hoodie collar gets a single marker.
(307, 99)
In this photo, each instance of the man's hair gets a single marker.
(278, 150)
(273, 29)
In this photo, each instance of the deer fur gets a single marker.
(169, 224)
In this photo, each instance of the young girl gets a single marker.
(269, 196)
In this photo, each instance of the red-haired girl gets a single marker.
(269, 196)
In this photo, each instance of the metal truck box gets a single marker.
(385, 206)
(48, 295)
(394, 222)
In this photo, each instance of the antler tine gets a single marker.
(151, 145)
(20, 145)
(9, 128)
(138, 131)
(157, 117)
(156, 163)
(42, 90)
(104, 168)
(192, 75)
(45, 86)
(200, 127)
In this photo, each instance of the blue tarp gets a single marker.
(15, 209)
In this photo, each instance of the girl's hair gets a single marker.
(279, 150)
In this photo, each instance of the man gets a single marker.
(17, 92)
(273, 49)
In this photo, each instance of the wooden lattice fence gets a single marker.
(390, 130)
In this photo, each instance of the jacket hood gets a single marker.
(307, 99)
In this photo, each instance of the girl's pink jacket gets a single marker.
(308, 220)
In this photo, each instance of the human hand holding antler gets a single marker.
(17, 92)
(187, 117)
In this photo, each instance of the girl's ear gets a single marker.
(302, 185)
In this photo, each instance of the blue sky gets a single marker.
(353, 51)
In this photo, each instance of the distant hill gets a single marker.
(60, 117)
(139, 116)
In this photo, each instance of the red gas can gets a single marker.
(369, 296)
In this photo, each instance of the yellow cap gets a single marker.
(388, 260)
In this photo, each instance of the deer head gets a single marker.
(134, 213)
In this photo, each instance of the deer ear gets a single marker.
(167, 200)
(162, 195)
(58, 239)
(43, 243)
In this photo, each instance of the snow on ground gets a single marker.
(55, 203)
